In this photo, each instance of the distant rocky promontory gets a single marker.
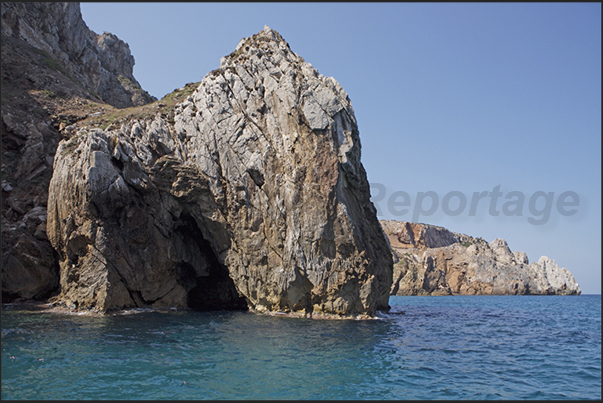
(431, 260)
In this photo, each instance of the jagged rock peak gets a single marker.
(249, 192)
(101, 63)
(267, 36)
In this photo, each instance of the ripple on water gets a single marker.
(440, 348)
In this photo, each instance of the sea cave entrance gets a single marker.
(213, 292)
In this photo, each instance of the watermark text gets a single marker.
(538, 206)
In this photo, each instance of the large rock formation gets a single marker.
(431, 260)
(249, 192)
(54, 72)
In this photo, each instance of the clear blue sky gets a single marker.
(448, 97)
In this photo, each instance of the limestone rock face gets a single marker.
(101, 63)
(29, 264)
(431, 260)
(250, 192)
(54, 71)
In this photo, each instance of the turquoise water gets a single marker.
(473, 347)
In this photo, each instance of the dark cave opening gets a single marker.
(215, 292)
(117, 163)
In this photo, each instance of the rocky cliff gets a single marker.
(55, 71)
(431, 260)
(249, 192)
(243, 190)
(101, 64)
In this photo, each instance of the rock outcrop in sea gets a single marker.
(55, 71)
(431, 260)
(243, 190)
(249, 192)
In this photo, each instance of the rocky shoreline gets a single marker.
(431, 260)
(243, 191)
(31, 306)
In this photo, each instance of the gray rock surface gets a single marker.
(54, 73)
(431, 260)
(102, 63)
(249, 192)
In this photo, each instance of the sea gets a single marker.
(452, 347)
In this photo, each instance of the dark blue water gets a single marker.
(474, 347)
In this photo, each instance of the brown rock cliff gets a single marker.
(431, 260)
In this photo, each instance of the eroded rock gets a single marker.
(250, 192)
(431, 260)
(55, 71)
(101, 63)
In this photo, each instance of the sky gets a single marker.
(483, 118)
